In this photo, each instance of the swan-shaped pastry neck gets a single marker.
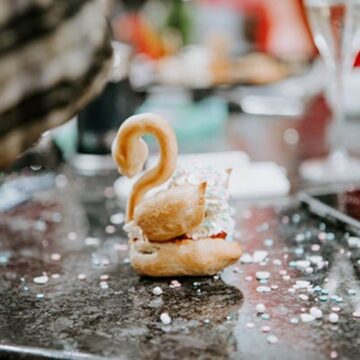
(130, 152)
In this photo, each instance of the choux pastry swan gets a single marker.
(180, 231)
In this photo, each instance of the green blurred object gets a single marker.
(65, 137)
(179, 19)
(194, 122)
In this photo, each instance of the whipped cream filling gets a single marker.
(218, 217)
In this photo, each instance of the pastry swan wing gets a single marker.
(171, 213)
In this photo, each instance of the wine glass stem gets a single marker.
(338, 145)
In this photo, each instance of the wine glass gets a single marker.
(334, 25)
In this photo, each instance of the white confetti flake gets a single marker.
(356, 314)
(40, 296)
(165, 318)
(262, 275)
(250, 325)
(277, 262)
(316, 312)
(92, 241)
(55, 257)
(307, 318)
(175, 284)
(333, 318)
(104, 285)
(302, 284)
(303, 264)
(259, 255)
(55, 276)
(246, 258)
(260, 308)
(266, 329)
(263, 289)
(117, 219)
(353, 242)
(81, 277)
(104, 277)
(40, 280)
(157, 290)
(303, 297)
(272, 339)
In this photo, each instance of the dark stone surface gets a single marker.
(80, 319)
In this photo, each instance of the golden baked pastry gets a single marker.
(179, 231)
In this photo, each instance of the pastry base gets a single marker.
(203, 257)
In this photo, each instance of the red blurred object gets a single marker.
(357, 60)
(133, 29)
(280, 26)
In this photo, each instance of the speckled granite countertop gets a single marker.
(67, 289)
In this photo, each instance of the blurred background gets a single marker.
(239, 75)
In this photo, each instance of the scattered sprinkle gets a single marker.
(353, 242)
(268, 242)
(40, 296)
(302, 264)
(110, 229)
(262, 275)
(315, 247)
(294, 320)
(351, 292)
(55, 257)
(250, 325)
(92, 241)
(117, 219)
(40, 280)
(265, 316)
(259, 255)
(333, 318)
(55, 276)
(248, 278)
(81, 277)
(272, 339)
(356, 314)
(166, 319)
(316, 312)
(260, 308)
(263, 289)
(104, 285)
(246, 258)
(302, 284)
(175, 284)
(333, 354)
(157, 290)
(336, 309)
(72, 236)
(266, 329)
(104, 277)
(303, 297)
(277, 262)
(120, 247)
(307, 318)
